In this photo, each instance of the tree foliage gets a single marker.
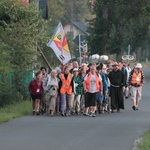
(64, 11)
(117, 24)
(76, 10)
(20, 27)
(22, 30)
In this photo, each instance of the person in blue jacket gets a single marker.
(101, 97)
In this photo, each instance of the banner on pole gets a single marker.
(59, 45)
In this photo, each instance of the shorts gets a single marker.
(136, 93)
(34, 97)
(100, 97)
(91, 99)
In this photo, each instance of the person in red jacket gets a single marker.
(36, 91)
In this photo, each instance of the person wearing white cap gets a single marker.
(78, 88)
(136, 81)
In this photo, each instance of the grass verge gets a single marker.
(15, 110)
(145, 143)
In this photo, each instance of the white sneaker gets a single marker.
(90, 115)
(85, 114)
(93, 115)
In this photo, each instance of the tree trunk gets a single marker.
(138, 53)
(119, 55)
(105, 34)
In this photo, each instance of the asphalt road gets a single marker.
(116, 131)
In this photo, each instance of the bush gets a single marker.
(15, 110)
(14, 88)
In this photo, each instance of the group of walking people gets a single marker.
(85, 89)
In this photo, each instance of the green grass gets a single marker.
(145, 143)
(15, 110)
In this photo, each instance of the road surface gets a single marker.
(116, 131)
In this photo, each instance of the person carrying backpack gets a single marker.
(51, 88)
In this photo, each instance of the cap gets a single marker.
(58, 71)
(115, 64)
(75, 69)
(138, 65)
(84, 64)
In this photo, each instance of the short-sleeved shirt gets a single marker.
(93, 82)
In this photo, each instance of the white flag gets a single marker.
(59, 45)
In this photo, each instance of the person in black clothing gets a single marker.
(117, 80)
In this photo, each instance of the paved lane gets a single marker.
(105, 132)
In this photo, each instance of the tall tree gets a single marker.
(64, 10)
(55, 11)
(20, 27)
(76, 10)
(113, 22)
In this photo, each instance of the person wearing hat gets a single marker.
(78, 88)
(136, 81)
(117, 84)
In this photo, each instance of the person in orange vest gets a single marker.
(136, 81)
(92, 85)
(66, 91)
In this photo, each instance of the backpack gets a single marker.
(53, 90)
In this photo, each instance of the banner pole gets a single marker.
(45, 59)
(80, 59)
(62, 36)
